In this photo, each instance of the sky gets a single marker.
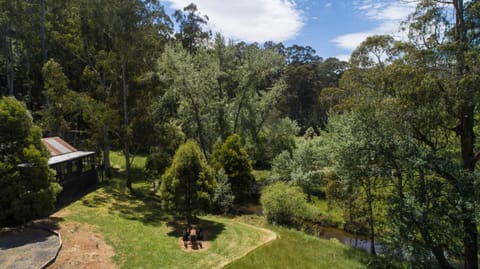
(334, 28)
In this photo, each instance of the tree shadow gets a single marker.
(211, 230)
(141, 204)
(34, 232)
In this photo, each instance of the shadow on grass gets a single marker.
(210, 229)
(141, 204)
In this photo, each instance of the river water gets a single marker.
(360, 241)
(347, 238)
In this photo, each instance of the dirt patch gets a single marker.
(190, 248)
(82, 248)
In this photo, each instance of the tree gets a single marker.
(27, 185)
(188, 183)
(357, 150)
(233, 158)
(191, 33)
(301, 167)
(283, 203)
(426, 89)
(192, 80)
(455, 54)
(223, 197)
(168, 138)
(306, 75)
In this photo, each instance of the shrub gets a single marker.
(302, 166)
(233, 158)
(283, 204)
(223, 197)
(188, 183)
(27, 185)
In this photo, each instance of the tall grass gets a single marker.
(294, 249)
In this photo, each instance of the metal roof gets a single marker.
(69, 156)
(57, 146)
(61, 151)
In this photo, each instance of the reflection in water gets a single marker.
(347, 238)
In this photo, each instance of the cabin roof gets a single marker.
(69, 156)
(61, 151)
(57, 146)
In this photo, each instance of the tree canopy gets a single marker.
(27, 185)
(187, 185)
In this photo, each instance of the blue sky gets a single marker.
(332, 28)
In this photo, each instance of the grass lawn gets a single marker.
(294, 249)
(144, 236)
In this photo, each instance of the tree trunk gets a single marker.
(44, 47)
(11, 90)
(470, 236)
(239, 109)
(440, 256)
(436, 250)
(371, 222)
(196, 112)
(106, 152)
(126, 149)
(42, 33)
(467, 140)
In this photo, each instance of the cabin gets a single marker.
(75, 170)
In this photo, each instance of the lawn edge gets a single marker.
(272, 236)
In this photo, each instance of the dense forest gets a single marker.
(389, 137)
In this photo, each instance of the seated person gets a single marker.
(193, 235)
(185, 237)
(200, 237)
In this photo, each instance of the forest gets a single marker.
(388, 138)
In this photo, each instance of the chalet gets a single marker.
(75, 170)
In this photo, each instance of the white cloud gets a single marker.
(343, 57)
(351, 41)
(328, 5)
(251, 21)
(388, 14)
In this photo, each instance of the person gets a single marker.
(185, 237)
(193, 237)
(200, 237)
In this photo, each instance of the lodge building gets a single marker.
(75, 170)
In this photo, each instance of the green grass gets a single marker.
(332, 214)
(294, 249)
(144, 236)
(117, 160)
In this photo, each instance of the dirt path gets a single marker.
(82, 248)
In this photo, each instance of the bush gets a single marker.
(188, 183)
(27, 185)
(223, 197)
(233, 158)
(284, 204)
(168, 138)
(302, 166)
